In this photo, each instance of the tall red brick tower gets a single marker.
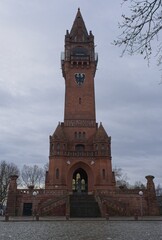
(80, 150)
(80, 181)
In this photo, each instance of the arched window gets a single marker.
(84, 134)
(79, 147)
(103, 173)
(83, 185)
(77, 176)
(103, 147)
(80, 135)
(80, 181)
(57, 173)
(52, 148)
(73, 184)
(58, 146)
(75, 134)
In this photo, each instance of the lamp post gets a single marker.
(141, 205)
(33, 206)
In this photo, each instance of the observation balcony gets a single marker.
(81, 153)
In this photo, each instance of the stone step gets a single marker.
(84, 206)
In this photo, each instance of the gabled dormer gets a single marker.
(102, 142)
(58, 141)
(101, 135)
(59, 133)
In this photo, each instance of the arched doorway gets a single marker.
(80, 181)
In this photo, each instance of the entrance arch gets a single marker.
(80, 181)
(85, 172)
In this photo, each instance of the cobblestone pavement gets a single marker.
(81, 230)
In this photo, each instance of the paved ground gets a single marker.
(81, 229)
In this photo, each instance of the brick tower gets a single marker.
(80, 181)
(80, 150)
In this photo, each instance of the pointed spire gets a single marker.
(59, 133)
(78, 31)
(101, 134)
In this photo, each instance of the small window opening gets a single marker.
(57, 173)
(103, 147)
(58, 146)
(103, 173)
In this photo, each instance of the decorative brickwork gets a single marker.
(80, 149)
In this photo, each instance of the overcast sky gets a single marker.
(128, 94)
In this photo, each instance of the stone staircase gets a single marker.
(53, 206)
(84, 205)
(115, 207)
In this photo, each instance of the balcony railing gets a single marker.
(78, 58)
(81, 153)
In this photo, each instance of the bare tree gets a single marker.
(138, 185)
(159, 190)
(121, 178)
(32, 175)
(46, 167)
(6, 170)
(141, 28)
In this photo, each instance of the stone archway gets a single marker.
(80, 181)
(86, 174)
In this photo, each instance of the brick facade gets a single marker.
(80, 149)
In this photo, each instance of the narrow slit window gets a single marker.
(58, 146)
(103, 147)
(57, 173)
(80, 135)
(103, 173)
